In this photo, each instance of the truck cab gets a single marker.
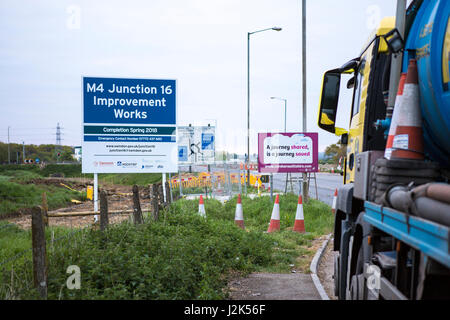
(369, 81)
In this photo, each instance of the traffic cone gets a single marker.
(395, 115)
(299, 224)
(201, 207)
(408, 140)
(333, 206)
(275, 219)
(239, 216)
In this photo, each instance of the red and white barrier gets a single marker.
(239, 215)
(275, 219)
(333, 206)
(395, 116)
(408, 140)
(299, 224)
(201, 207)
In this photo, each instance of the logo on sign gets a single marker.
(129, 164)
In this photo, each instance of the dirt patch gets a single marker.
(326, 270)
(119, 198)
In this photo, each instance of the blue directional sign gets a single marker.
(207, 141)
(182, 153)
(129, 125)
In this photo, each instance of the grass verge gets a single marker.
(181, 256)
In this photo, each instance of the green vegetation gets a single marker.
(181, 256)
(129, 179)
(15, 196)
(336, 151)
(19, 191)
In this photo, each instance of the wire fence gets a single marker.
(17, 270)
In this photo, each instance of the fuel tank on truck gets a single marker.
(428, 41)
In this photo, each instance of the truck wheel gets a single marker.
(358, 282)
(357, 287)
(336, 275)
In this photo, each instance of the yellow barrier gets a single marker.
(90, 193)
(205, 179)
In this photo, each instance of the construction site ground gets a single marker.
(119, 198)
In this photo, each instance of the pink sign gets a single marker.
(288, 152)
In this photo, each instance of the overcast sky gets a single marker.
(47, 46)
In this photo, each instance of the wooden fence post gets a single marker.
(103, 210)
(39, 251)
(45, 208)
(137, 213)
(167, 193)
(154, 201)
(160, 195)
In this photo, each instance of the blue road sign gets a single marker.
(132, 101)
(207, 141)
(182, 153)
(129, 125)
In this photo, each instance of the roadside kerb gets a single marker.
(313, 268)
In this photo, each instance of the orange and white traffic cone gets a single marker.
(408, 140)
(395, 115)
(275, 219)
(333, 206)
(299, 224)
(239, 216)
(201, 207)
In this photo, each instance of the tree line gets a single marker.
(45, 152)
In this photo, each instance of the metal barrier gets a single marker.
(220, 179)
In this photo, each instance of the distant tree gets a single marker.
(336, 151)
(45, 152)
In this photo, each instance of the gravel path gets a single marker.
(297, 285)
(273, 286)
(326, 270)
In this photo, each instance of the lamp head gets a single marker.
(277, 28)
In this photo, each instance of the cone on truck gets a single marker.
(395, 116)
(333, 206)
(275, 219)
(299, 224)
(239, 215)
(408, 140)
(201, 207)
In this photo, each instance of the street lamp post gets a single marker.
(285, 112)
(305, 187)
(285, 109)
(248, 96)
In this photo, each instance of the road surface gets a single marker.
(326, 185)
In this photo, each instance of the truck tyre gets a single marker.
(358, 282)
(357, 287)
(336, 275)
